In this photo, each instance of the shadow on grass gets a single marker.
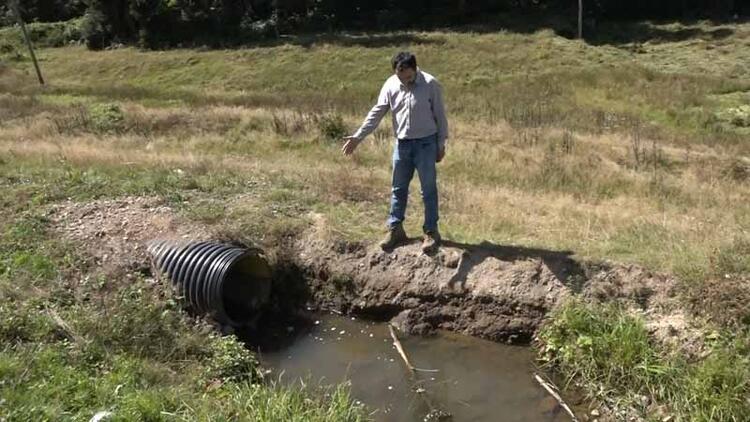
(619, 33)
(373, 40)
(162, 97)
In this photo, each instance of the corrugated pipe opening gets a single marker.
(228, 282)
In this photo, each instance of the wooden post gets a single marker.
(580, 19)
(28, 41)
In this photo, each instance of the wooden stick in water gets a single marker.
(557, 397)
(400, 348)
(401, 352)
(434, 412)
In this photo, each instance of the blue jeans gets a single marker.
(420, 155)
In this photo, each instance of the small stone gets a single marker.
(100, 416)
(595, 412)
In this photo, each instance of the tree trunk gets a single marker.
(580, 19)
(17, 12)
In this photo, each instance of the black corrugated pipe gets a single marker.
(228, 282)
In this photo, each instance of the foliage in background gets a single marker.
(158, 23)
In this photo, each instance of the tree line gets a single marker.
(157, 23)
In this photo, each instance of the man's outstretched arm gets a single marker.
(371, 122)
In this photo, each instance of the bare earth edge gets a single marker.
(496, 292)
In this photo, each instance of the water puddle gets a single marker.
(477, 380)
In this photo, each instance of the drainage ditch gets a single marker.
(457, 377)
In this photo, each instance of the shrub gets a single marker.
(95, 30)
(331, 126)
(106, 117)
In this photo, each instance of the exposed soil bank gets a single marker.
(496, 292)
(500, 293)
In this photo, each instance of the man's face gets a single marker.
(406, 75)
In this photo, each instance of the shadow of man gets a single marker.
(560, 263)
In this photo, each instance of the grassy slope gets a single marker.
(616, 153)
(513, 97)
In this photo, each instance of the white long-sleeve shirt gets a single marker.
(417, 111)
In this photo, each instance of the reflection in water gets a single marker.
(477, 380)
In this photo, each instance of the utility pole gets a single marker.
(14, 4)
(580, 19)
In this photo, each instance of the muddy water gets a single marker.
(476, 380)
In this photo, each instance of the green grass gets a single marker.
(516, 70)
(74, 344)
(609, 353)
(631, 151)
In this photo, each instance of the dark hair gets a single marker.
(404, 59)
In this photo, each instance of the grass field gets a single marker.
(636, 151)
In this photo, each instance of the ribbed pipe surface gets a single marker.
(225, 281)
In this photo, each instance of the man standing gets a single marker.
(416, 102)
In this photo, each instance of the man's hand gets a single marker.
(352, 142)
(440, 154)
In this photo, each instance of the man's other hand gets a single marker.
(440, 154)
(352, 142)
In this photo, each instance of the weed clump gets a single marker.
(608, 352)
(106, 117)
(331, 126)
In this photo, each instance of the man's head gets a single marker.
(405, 66)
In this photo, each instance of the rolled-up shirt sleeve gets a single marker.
(376, 114)
(438, 111)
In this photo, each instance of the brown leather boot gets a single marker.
(396, 236)
(431, 241)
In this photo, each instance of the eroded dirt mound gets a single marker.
(114, 232)
(651, 296)
(501, 293)
(725, 300)
(485, 291)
